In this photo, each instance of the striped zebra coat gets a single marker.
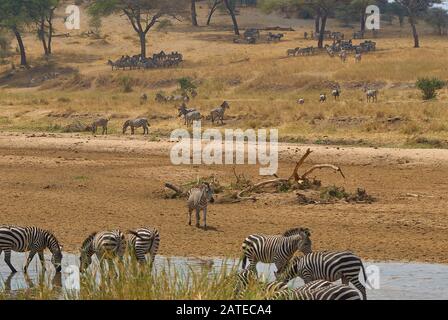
(318, 290)
(247, 278)
(137, 123)
(183, 111)
(143, 241)
(102, 122)
(198, 199)
(329, 266)
(106, 245)
(277, 249)
(218, 113)
(32, 239)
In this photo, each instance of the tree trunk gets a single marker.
(50, 31)
(142, 36)
(232, 14)
(23, 61)
(322, 31)
(194, 18)
(414, 31)
(212, 11)
(317, 23)
(41, 32)
(363, 22)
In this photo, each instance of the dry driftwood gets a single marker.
(179, 192)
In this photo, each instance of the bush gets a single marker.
(429, 87)
(126, 84)
(186, 84)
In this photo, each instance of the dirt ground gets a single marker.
(74, 185)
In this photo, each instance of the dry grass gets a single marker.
(261, 84)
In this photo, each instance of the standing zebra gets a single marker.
(105, 245)
(372, 95)
(143, 241)
(137, 123)
(218, 113)
(327, 265)
(101, 122)
(33, 239)
(183, 111)
(336, 93)
(192, 116)
(198, 199)
(322, 97)
(277, 249)
(318, 290)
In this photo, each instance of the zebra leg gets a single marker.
(132, 131)
(42, 259)
(205, 218)
(28, 261)
(198, 217)
(358, 285)
(189, 214)
(8, 260)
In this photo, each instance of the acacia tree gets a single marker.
(213, 7)
(194, 16)
(414, 9)
(230, 6)
(42, 12)
(15, 17)
(142, 14)
(438, 19)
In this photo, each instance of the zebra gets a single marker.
(301, 101)
(277, 249)
(358, 57)
(327, 265)
(246, 277)
(343, 55)
(137, 123)
(198, 198)
(183, 111)
(32, 239)
(105, 245)
(322, 97)
(143, 241)
(101, 122)
(192, 116)
(318, 290)
(292, 52)
(218, 113)
(372, 95)
(336, 93)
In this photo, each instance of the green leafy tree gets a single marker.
(142, 14)
(438, 19)
(41, 13)
(429, 87)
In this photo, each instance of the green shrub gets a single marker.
(429, 87)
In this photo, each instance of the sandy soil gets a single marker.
(77, 184)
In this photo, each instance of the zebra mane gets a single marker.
(297, 231)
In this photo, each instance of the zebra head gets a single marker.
(85, 258)
(292, 270)
(225, 105)
(126, 125)
(209, 191)
(56, 251)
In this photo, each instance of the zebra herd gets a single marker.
(191, 114)
(158, 60)
(106, 245)
(317, 269)
(371, 95)
(133, 124)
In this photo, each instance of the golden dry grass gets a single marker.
(261, 84)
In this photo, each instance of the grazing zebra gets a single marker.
(318, 290)
(327, 265)
(323, 97)
(358, 57)
(136, 123)
(301, 101)
(105, 245)
(192, 116)
(372, 95)
(143, 241)
(336, 93)
(183, 111)
(198, 198)
(101, 122)
(277, 249)
(32, 239)
(218, 113)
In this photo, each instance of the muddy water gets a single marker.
(395, 280)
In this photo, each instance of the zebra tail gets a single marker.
(366, 280)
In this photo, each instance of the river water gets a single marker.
(389, 280)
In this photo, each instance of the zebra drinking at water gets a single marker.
(327, 265)
(318, 290)
(277, 249)
(218, 113)
(143, 241)
(246, 277)
(33, 239)
(105, 245)
(198, 199)
(101, 122)
(137, 123)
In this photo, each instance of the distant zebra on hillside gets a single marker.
(198, 199)
(218, 113)
(327, 265)
(277, 249)
(106, 245)
(137, 123)
(372, 95)
(143, 241)
(33, 239)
